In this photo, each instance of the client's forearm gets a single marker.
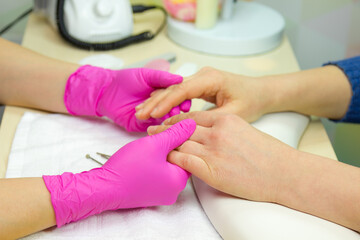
(324, 92)
(31, 80)
(325, 188)
(25, 207)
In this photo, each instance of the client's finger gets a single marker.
(193, 148)
(161, 104)
(202, 118)
(200, 135)
(157, 129)
(190, 163)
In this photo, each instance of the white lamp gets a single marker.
(244, 28)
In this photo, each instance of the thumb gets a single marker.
(160, 79)
(177, 134)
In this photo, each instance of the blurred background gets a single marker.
(319, 31)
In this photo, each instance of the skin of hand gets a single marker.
(231, 93)
(230, 155)
(129, 179)
(251, 97)
(100, 92)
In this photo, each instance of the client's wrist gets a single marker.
(281, 92)
(271, 94)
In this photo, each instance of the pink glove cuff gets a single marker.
(72, 195)
(84, 88)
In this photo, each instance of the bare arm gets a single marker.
(32, 80)
(324, 92)
(25, 207)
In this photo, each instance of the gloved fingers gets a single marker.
(173, 112)
(185, 106)
(160, 79)
(190, 163)
(176, 134)
(177, 176)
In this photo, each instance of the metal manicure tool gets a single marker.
(103, 155)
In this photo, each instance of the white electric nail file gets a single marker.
(236, 218)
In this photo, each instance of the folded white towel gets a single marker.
(54, 143)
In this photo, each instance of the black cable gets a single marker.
(143, 8)
(106, 46)
(163, 24)
(11, 24)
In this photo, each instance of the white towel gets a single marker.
(54, 143)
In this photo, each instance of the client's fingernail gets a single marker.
(139, 106)
(154, 112)
(166, 121)
(151, 130)
(138, 113)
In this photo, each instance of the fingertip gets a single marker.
(174, 111)
(188, 124)
(151, 130)
(138, 107)
(176, 79)
(179, 133)
(140, 115)
(185, 106)
(160, 79)
(167, 121)
(172, 120)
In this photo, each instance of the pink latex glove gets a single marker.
(138, 175)
(95, 91)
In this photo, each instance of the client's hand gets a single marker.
(138, 175)
(247, 97)
(230, 155)
(96, 91)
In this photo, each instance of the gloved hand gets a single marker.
(95, 91)
(137, 175)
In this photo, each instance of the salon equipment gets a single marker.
(244, 28)
(91, 158)
(105, 156)
(95, 24)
